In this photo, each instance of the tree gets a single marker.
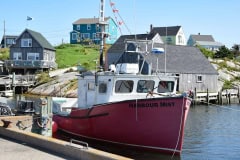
(223, 52)
(235, 50)
(206, 52)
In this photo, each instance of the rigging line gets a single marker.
(116, 19)
(180, 129)
(116, 11)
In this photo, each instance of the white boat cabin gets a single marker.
(123, 84)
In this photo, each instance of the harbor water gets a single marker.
(211, 133)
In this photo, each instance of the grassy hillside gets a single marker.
(73, 54)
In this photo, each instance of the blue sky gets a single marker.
(54, 18)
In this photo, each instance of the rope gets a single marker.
(179, 133)
(114, 10)
(136, 111)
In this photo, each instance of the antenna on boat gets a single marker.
(165, 57)
(102, 33)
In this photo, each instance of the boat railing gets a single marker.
(73, 142)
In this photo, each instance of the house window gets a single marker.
(179, 39)
(78, 27)
(85, 36)
(169, 40)
(17, 56)
(199, 78)
(124, 86)
(94, 36)
(10, 41)
(27, 42)
(97, 27)
(32, 56)
(88, 26)
(74, 36)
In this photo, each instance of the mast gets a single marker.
(102, 35)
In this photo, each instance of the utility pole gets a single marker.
(4, 35)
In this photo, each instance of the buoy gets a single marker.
(54, 127)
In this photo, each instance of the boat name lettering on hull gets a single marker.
(152, 105)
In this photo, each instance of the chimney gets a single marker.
(198, 33)
(151, 27)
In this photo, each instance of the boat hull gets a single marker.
(155, 124)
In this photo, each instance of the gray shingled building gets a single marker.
(192, 67)
(30, 53)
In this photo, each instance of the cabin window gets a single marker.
(17, 56)
(145, 86)
(199, 78)
(102, 88)
(27, 42)
(124, 86)
(91, 86)
(165, 86)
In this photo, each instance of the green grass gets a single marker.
(68, 55)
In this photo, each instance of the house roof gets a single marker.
(9, 36)
(163, 31)
(40, 39)
(180, 59)
(199, 37)
(89, 20)
(209, 43)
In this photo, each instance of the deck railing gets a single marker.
(30, 64)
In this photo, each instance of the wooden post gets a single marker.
(221, 100)
(229, 97)
(238, 95)
(195, 96)
(207, 97)
(218, 97)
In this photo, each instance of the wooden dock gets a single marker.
(224, 97)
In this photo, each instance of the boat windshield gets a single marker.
(124, 86)
(165, 86)
(144, 86)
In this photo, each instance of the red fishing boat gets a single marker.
(124, 107)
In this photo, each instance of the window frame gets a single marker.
(74, 36)
(36, 56)
(88, 27)
(17, 56)
(26, 42)
(148, 85)
(122, 88)
(199, 78)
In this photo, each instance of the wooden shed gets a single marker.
(188, 63)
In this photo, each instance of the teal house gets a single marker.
(87, 29)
